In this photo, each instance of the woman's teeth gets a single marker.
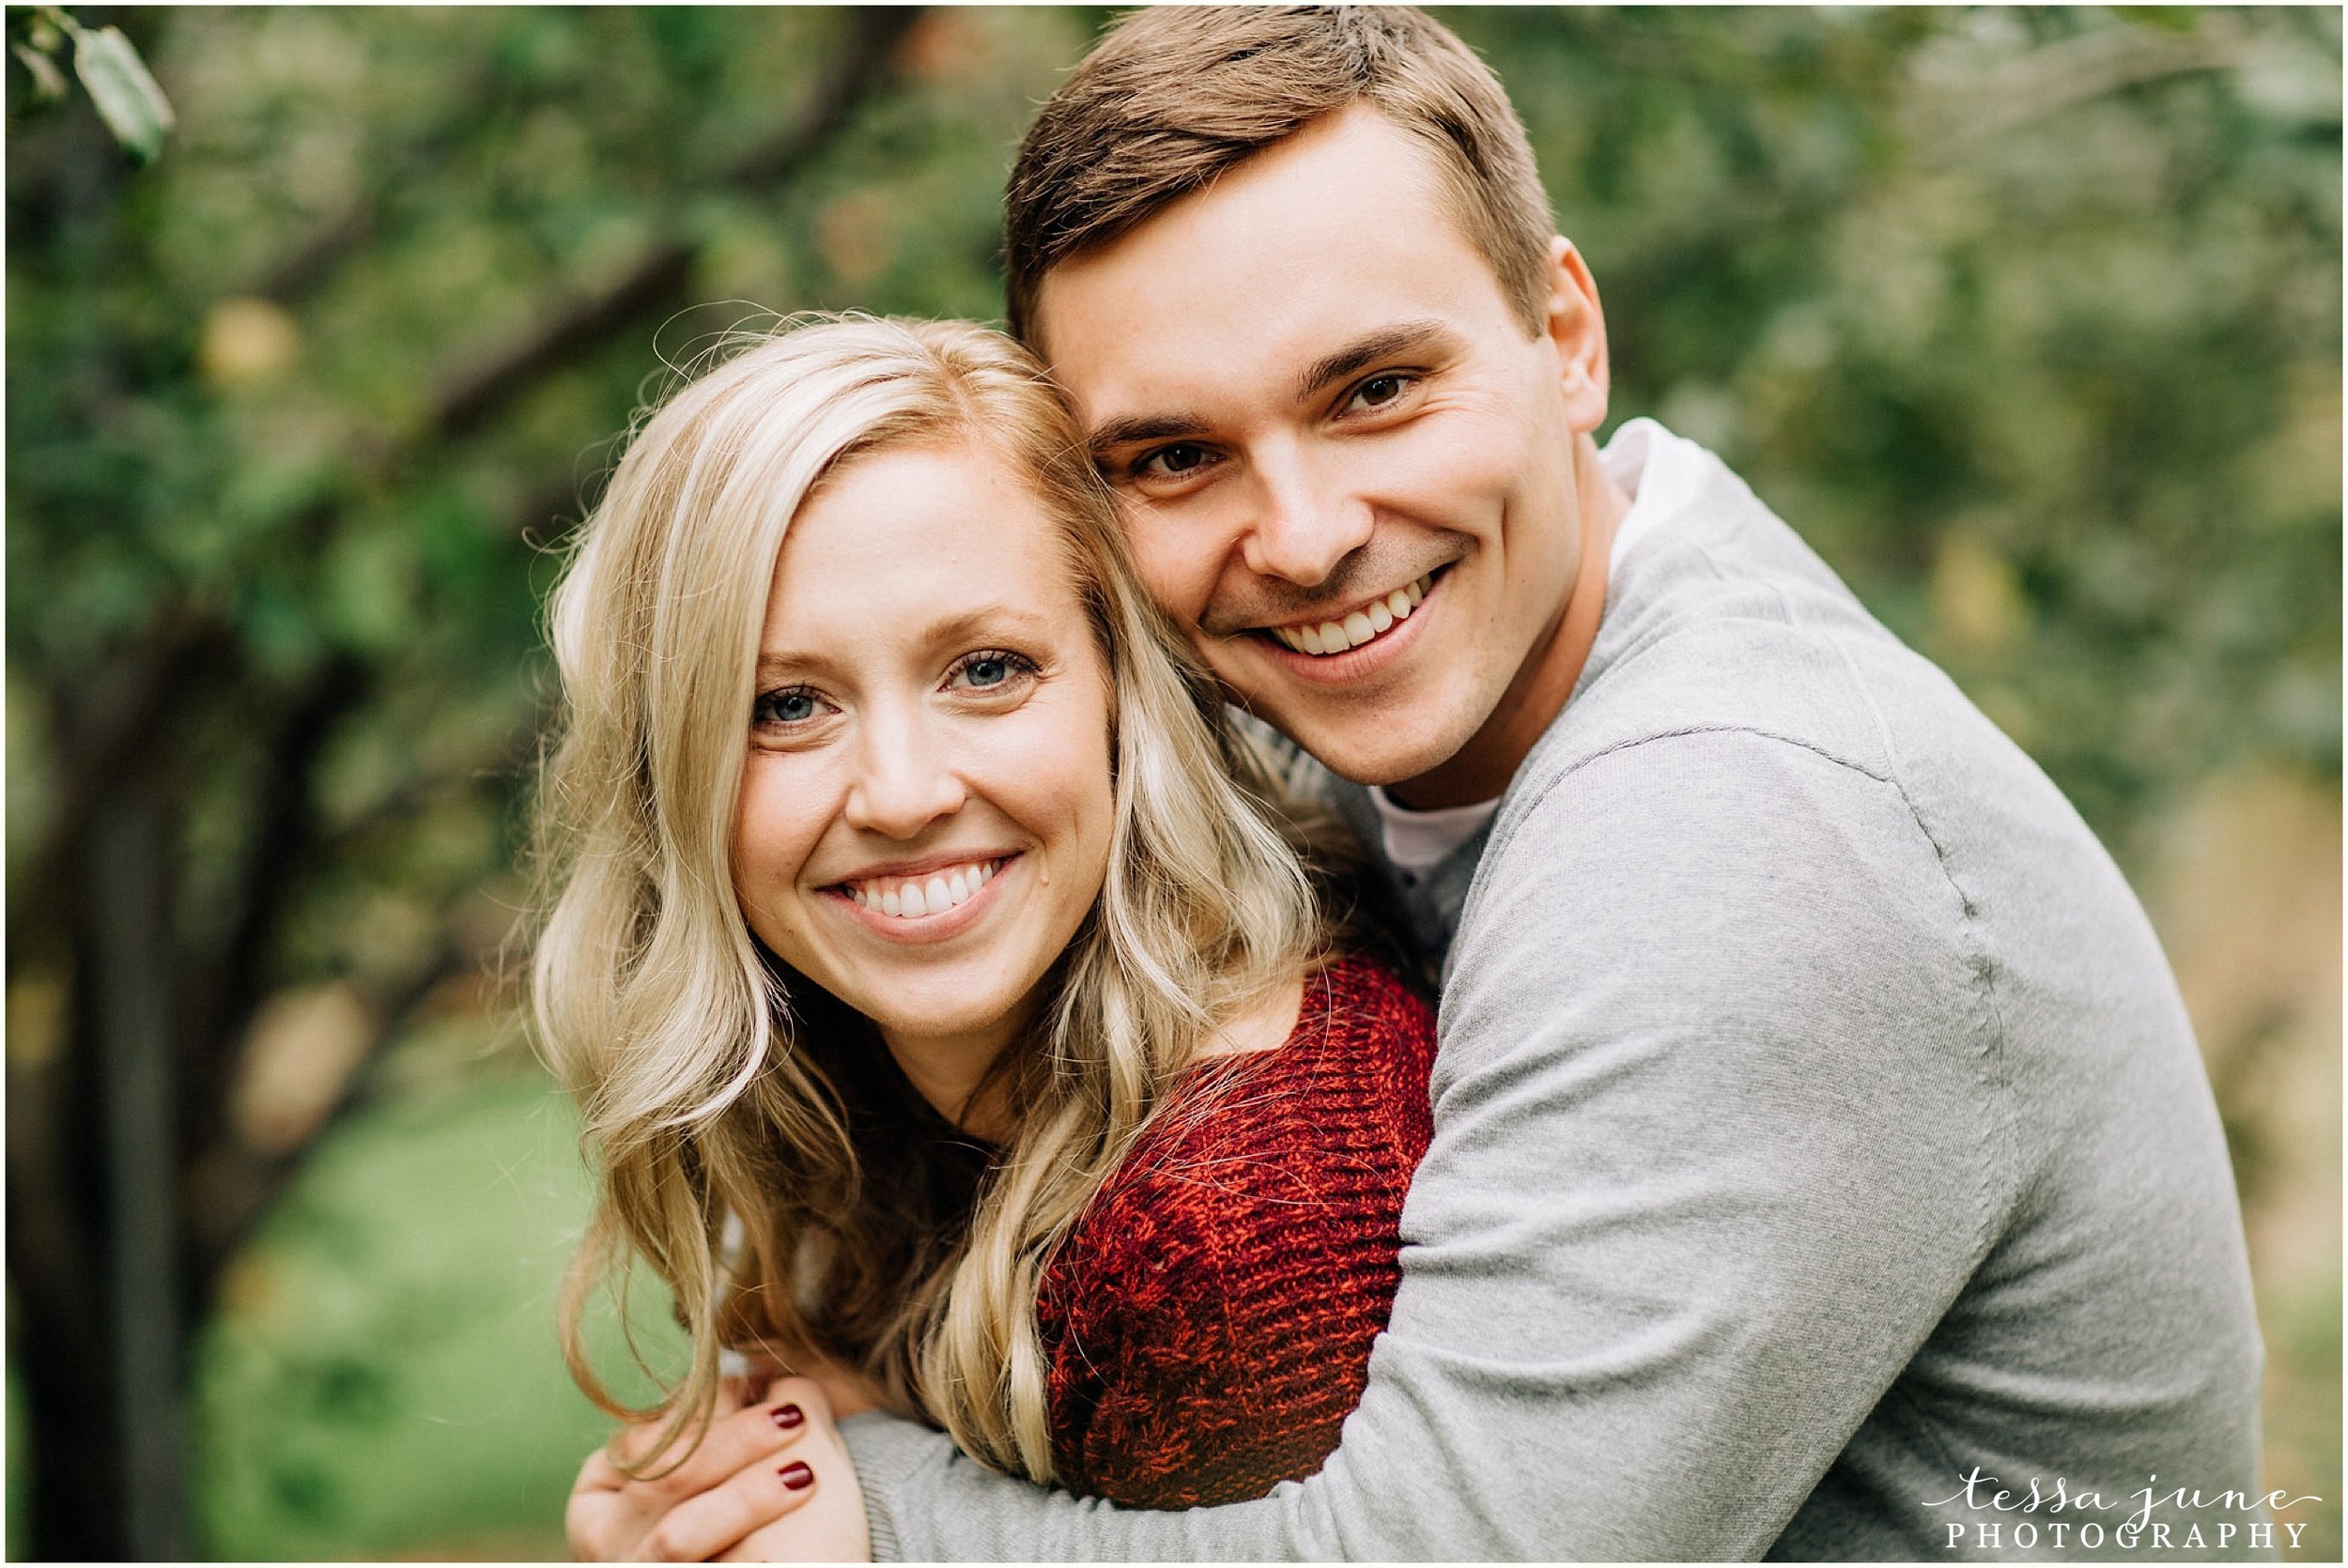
(1335, 636)
(908, 899)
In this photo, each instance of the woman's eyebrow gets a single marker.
(986, 621)
(778, 661)
(1405, 337)
(973, 626)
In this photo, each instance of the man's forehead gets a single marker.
(1339, 206)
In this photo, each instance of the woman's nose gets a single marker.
(905, 780)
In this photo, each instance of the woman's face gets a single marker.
(925, 808)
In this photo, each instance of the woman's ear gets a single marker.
(1576, 329)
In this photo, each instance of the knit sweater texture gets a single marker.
(1207, 1322)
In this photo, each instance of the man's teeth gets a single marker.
(1335, 636)
(910, 897)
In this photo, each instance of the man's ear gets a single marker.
(1576, 330)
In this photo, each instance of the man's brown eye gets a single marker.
(1179, 459)
(1379, 390)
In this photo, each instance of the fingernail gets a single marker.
(786, 1415)
(797, 1475)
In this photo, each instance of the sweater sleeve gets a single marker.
(1716, 1145)
(1208, 1325)
(1138, 1319)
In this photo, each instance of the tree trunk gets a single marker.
(94, 1245)
(130, 893)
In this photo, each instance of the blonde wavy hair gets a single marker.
(711, 1081)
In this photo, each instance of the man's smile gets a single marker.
(1340, 663)
(1339, 633)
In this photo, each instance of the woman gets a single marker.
(906, 912)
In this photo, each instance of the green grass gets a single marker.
(382, 1378)
(2303, 1448)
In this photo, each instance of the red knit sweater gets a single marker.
(1207, 1322)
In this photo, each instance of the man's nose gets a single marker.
(1306, 521)
(905, 777)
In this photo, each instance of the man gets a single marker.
(1823, 1165)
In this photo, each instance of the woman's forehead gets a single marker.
(912, 544)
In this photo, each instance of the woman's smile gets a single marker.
(923, 903)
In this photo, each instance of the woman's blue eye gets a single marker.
(795, 706)
(992, 672)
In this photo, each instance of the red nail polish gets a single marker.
(786, 1415)
(797, 1475)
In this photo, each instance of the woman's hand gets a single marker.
(845, 1390)
(770, 1482)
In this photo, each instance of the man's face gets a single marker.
(1319, 411)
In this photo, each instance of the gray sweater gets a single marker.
(1821, 1147)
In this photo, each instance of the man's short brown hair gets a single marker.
(1175, 96)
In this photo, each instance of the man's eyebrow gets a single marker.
(1402, 338)
(1107, 437)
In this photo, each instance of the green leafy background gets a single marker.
(2029, 320)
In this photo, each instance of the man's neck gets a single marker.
(1481, 769)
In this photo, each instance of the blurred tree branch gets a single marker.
(655, 286)
(123, 703)
(240, 1184)
(230, 989)
(1948, 123)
